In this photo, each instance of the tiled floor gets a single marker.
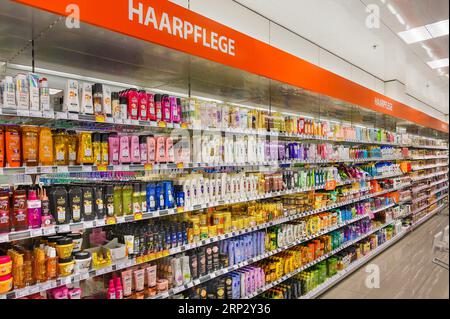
(406, 269)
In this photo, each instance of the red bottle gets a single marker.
(133, 104)
(158, 107)
(20, 214)
(151, 110)
(4, 212)
(143, 105)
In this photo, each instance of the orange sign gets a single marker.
(173, 26)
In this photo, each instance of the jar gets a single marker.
(65, 266)
(64, 247)
(5, 265)
(82, 261)
(6, 283)
(52, 240)
(77, 239)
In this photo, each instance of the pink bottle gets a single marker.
(34, 210)
(158, 107)
(124, 151)
(143, 105)
(151, 149)
(143, 149)
(180, 110)
(160, 156)
(119, 288)
(114, 149)
(133, 104)
(111, 294)
(135, 152)
(165, 101)
(174, 114)
(170, 156)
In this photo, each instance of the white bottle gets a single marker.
(8, 90)
(71, 101)
(106, 102)
(87, 106)
(22, 93)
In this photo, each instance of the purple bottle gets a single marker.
(34, 210)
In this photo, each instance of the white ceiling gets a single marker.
(340, 27)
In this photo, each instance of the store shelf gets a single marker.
(428, 205)
(438, 182)
(438, 190)
(420, 178)
(351, 268)
(427, 147)
(419, 168)
(179, 167)
(418, 158)
(291, 274)
(113, 123)
(54, 229)
(220, 272)
(133, 262)
(357, 264)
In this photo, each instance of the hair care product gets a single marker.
(13, 149)
(133, 104)
(135, 149)
(114, 149)
(87, 106)
(33, 85)
(34, 209)
(124, 151)
(45, 146)
(151, 110)
(76, 203)
(30, 145)
(71, 102)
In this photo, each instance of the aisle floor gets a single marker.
(406, 269)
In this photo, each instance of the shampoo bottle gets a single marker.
(143, 105)
(135, 149)
(124, 151)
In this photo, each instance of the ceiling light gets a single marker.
(438, 29)
(415, 35)
(391, 8)
(428, 50)
(436, 64)
(400, 19)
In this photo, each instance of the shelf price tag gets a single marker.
(162, 124)
(180, 165)
(100, 222)
(102, 168)
(23, 113)
(110, 220)
(63, 228)
(137, 216)
(148, 167)
(49, 230)
(330, 185)
(46, 169)
(4, 238)
(100, 118)
(30, 170)
(72, 116)
(62, 169)
(180, 209)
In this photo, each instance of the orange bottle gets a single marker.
(12, 143)
(45, 146)
(2, 147)
(30, 145)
